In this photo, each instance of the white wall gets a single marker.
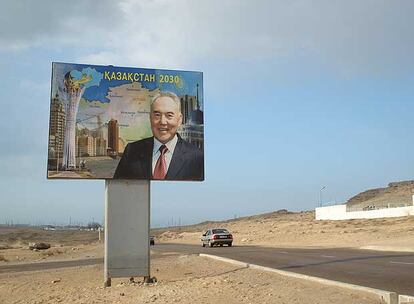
(338, 212)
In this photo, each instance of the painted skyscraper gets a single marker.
(192, 129)
(57, 126)
(73, 91)
(113, 137)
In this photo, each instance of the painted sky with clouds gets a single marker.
(297, 95)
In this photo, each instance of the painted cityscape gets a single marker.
(95, 111)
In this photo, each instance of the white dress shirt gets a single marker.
(168, 155)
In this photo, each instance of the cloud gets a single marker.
(51, 23)
(346, 35)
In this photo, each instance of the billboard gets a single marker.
(110, 122)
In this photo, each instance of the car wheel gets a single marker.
(229, 244)
(202, 244)
(210, 244)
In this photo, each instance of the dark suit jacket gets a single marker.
(187, 162)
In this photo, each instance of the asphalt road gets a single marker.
(48, 265)
(392, 271)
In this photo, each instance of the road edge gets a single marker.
(404, 299)
(388, 297)
(386, 248)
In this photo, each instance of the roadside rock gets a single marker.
(39, 246)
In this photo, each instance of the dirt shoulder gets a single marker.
(181, 279)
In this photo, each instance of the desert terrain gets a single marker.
(288, 229)
(285, 229)
(190, 278)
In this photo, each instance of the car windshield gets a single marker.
(220, 231)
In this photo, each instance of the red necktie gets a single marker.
(160, 169)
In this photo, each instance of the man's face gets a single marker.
(165, 118)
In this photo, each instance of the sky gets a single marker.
(298, 95)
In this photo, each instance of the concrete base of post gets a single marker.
(107, 282)
(148, 280)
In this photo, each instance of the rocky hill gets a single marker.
(395, 195)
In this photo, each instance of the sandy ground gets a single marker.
(193, 279)
(180, 279)
(65, 245)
